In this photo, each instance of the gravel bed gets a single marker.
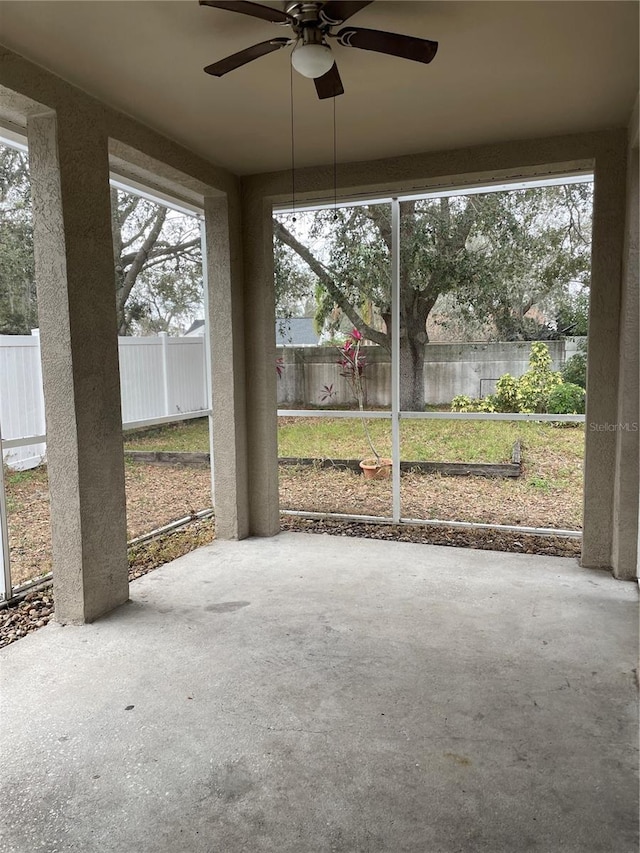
(30, 614)
(486, 540)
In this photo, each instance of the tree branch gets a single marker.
(464, 225)
(326, 278)
(116, 235)
(138, 263)
(159, 255)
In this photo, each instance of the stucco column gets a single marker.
(604, 354)
(261, 375)
(76, 301)
(625, 519)
(226, 341)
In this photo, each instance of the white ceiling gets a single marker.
(504, 71)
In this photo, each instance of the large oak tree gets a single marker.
(494, 255)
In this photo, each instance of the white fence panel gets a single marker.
(141, 378)
(186, 375)
(21, 399)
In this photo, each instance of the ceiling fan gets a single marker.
(312, 25)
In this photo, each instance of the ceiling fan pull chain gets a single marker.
(293, 151)
(335, 166)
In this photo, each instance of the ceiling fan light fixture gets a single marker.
(312, 60)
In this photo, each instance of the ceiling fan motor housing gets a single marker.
(309, 22)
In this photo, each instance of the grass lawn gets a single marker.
(183, 436)
(435, 441)
(548, 494)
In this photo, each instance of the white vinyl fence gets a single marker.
(21, 399)
(160, 378)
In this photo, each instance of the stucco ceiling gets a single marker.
(504, 71)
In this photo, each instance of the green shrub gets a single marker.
(506, 396)
(462, 403)
(575, 369)
(566, 399)
(531, 393)
(536, 385)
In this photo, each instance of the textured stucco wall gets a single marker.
(224, 258)
(626, 505)
(260, 354)
(604, 348)
(74, 271)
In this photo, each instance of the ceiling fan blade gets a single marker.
(275, 16)
(330, 84)
(408, 47)
(338, 11)
(236, 60)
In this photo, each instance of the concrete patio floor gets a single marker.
(306, 693)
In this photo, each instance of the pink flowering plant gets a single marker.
(353, 365)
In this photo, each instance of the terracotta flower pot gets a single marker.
(376, 470)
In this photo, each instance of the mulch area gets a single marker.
(158, 494)
(18, 620)
(485, 540)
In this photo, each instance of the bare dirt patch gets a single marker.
(527, 502)
(156, 495)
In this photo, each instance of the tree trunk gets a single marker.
(411, 374)
(414, 311)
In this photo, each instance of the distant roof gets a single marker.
(196, 328)
(296, 331)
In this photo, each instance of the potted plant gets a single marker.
(353, 364)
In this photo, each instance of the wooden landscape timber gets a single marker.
(501, 470)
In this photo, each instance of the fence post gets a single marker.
(164, 340)
(5, 567)
(42, 422)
